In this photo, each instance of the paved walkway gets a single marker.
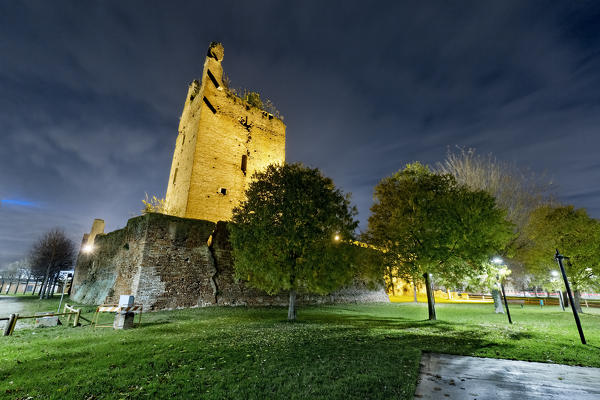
(446, 376)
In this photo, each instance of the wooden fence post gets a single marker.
(76, 319)
(14, 323)
(10, 324)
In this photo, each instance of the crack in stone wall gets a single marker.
(214, 270)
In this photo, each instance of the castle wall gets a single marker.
(169, 262)
(111, 265)
(217, 130)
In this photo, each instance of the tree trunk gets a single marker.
(415, 290)
(391, 285)
(26, 283)
(34, 287)
(53, 287)
(430, 297)
(577, 300)
(497, 301)
(17, 285)
(50, 290)
(44, 288)
(565, 297)
(292, 306)
(44, 283)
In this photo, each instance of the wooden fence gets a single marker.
(67, 310)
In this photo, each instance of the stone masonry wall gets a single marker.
(168, 262)
(222, 141)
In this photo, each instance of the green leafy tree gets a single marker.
(517, 190)
(426, 224)
(292, 233)
(575, 234)
(489, 279)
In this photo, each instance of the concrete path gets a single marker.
(446, 376)
(9, 305)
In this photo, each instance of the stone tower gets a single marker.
(222, 141)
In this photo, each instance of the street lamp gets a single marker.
(500, 261)
(559, 258)
(87, 248)
(336, 238)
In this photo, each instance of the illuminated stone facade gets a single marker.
(184, 259)
(222, 141)
(169, 262)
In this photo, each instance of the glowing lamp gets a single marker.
(87, 248)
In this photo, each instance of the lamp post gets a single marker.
(499, 261)
(558, 257)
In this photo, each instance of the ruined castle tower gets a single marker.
(222, 141)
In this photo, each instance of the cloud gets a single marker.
(91, 94)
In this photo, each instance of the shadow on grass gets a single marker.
(337, 359)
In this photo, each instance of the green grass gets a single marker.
(332, 352)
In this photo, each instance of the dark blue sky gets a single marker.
(91, 93)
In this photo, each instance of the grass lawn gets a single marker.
(332, 352)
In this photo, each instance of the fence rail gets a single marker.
(68, 311)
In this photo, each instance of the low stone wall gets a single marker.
(169, 262)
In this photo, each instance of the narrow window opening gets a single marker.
(175, 175)
(212, 78)
(212, 108)
(222, 191)
(244, 163)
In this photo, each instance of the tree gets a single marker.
(518, 191)
(52, 252)
(489, 279)
(575, 234)
(426, 224)
(292, 233)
